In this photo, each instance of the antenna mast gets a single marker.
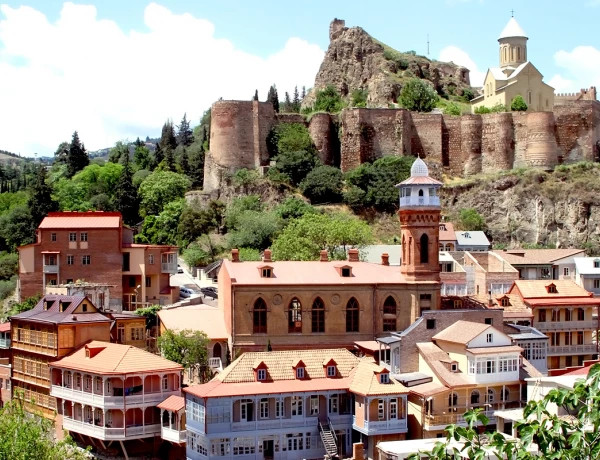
(427, 44)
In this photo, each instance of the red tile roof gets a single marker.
(537, 256)
(114, 358)
(47, 310)
(531, 289)
(448, 234)
(173, 403)
(5, 327)
(83, 220)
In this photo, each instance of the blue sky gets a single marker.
(114, 71)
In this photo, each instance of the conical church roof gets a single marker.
(512, 29)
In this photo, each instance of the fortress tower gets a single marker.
(420, 224)
(513, 45)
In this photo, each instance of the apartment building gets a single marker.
(543, 264)
(110, 392)
(54, 328)
(294, 405)
(587, 274)
(95, 247)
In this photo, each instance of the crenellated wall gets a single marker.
(464, 145)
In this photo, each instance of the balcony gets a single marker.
(567, 325)
(572, 349)
(106, 401)
(274, 424)
(381, 426)
(4, 343)
(419, 201)
(169, 434)
(434, 421)
(169, 268)
(110, 434)
(51, 269)
(215, 363)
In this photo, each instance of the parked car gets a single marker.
(179, 269)
(185, 292)
(209, 292)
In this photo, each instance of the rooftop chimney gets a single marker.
(324, 256)
(235, 255)
(267, 256)
(385, 259)
(490, 299)
(352, 255)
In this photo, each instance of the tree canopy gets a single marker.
(159, 189)
(418, 96)
(188, 348)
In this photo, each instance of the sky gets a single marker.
(116, 70)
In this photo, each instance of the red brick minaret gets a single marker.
(420, 224)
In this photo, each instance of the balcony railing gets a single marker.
(50, 268)
(215, 363)
(419, 201)
(274, 423)
(169, 434)
(4, 343)
(110, 434)
(382, 426)
(571, 349)
(98, 400)
(566, 325)
(169, 267)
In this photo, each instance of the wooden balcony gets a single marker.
(567, 325)
(169, 268)
(110, 434)
(572, 350)
(381, 426)
(169, 434)
(109, 401)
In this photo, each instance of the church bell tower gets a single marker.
(420, 224)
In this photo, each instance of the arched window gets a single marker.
(318, 315)
(580, 314)
(519, 53)
(474, 397)
(491, 395)
(505, 394)
(424, 249)
(260, 317)
(295, 316)
(452, 402)
(421, 192)
(389, 314)
(352, 315)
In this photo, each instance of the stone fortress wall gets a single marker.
(464, 145)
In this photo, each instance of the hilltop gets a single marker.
(355, 61)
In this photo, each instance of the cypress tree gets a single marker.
(77, 157)
(169, 161)
(40, 201)
(273, 98)
(303, 95)
(184, 163)
(185, 136)
(167, 137)
(296, 100)
(255, 98)
(126, 197)
(288, 103)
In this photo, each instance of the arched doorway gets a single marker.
(217, 351)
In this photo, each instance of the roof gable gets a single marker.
(461, 332)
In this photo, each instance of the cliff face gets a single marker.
(355, 60)
(559, 209)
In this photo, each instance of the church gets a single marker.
(515, 76)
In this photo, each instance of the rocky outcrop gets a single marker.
(356, 61)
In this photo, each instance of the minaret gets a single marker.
(420, 224)
(513, 45)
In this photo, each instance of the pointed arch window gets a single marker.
(424, 249)
(475, 397)
(295, 316)
(318, 315)
(259, 314)
(352, 315)
(389, 314)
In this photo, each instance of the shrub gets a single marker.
(249, 255)
(470, 219)
(359, 98)
(244, 177)
(418, 96)
(452, 108)
(294, 208)
(518, 104)
(323, 185)
(296, 165)
(467, 95)
(289, 137)
(328, 100)
(497, 108)
(482, 109)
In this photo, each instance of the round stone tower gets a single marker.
(471, 127)
(419, 224)
(513, 45)
(542, 151)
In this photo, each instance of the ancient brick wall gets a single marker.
(520, 127)
(497, 142)
(576, 132)
(325, 137)
(452, 143)
(426, 140)
(541, 141)
(469, 160)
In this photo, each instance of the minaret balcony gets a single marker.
(407, 201)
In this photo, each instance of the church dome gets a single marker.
(512, 29)
(419, 169)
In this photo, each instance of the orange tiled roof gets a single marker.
(435, 357)
(205, 318)
(365, 381)
(461, 332)
(173, 403)
(448, 234)
(5, 327)
(536, 256)
(538, 289)
(84, 220)
(485, 350)
(113, 358)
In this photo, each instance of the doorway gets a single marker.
(246, 410)
(217, 351)
(341, 442)
(268, 449)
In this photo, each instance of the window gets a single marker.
(529, 97)
(98, 384)
(148, 281)
(318, 315)
(474, 397)
(297, 406)
(568, 314)
(380, 409)
(384, 378)
(72, 236)
(555, 316)
(165, 382)
(489, 338)
(566, 271)
(264, 407)
(137, 333)
(86, 260)
(295, 316)
(508, 364)
(489, 321)
(454, 367)
(88, 382)
(597, 284)
(220, 447)
(458, 303)
(352, 315)
(53, 237)
(331, 371)
(279, 408)
(491, 395)
(580, 314)
(84, 307)
(69, 280)
(300, 372)
(430, 323)
(244, 445)
(389, 314)
(261, 374)
(294, 441)
(579, 337)
(393, 409)
(504, 302)
(70, 260)
(346, 272)
(490, 366)
(126, 259)
(132, 281)
(151, 259)
(424, 249)
(553, 339)
(83, 236)
(568, 361)
(542, 316)
(266, 273)
(333, 404)
(568, 338)
(551, 288)
(314, 405)
(259, 314)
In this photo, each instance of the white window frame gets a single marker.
(489, 338)
(331, 371)
(261, 374)
(384, 377)
(381, 409)
(393, 409)
(300, 372)
(264, 408)
(278, 408)
(314, 404)
(165, 382)
(297, 405)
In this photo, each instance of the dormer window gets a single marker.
(266, 272)
(331, 371)
(384, 378)
(300, 372)
(505, 302)
(442, 227)
(261, 375)
(454, 367)
(87, 352)
(346, 272)
(551, 288)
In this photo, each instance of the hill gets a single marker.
(357, 61)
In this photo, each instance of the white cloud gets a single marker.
(87, 74)
(460, 57)
(581, 69)
(592, 3)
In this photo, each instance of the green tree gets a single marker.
(40, 201)
(254, 230)
(296, 165)
(289, 137)
(193, 223)
(77, 158)
(359, 98)
(118, 152)
(160, 188)
(469, 219)
(296, 100)
(61, 154)
(9, 265)
(162, 228)
(255, 98)
(126, 197)
(142, 157)
(249, 255)
(287, 104)
(195, 256)
(17, 227)
(273, 97)
(328, 100)
(185, 136)
(294, 208)
(418, 96)
(188, 348)
(184, 163)
(238, 205)
(323, 185)
(25, 305)
(518, 104)
(150, 313)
